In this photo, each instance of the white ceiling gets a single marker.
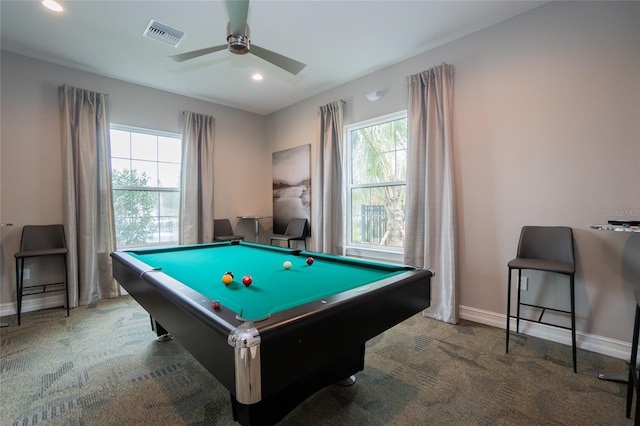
(338, 40)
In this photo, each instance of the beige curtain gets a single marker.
(430, 219)
(328, 215)
(196, 194)
(87, 197)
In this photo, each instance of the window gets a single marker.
(376, 155)
(145, 172)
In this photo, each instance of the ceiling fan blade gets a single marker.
(195, 53)
(287, 64)
(238, 11)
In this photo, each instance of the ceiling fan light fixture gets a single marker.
(238, 44)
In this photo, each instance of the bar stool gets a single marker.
(550, 249)
(634, 380)
(40, 241)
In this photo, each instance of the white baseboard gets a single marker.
(589, 342)
(34, 303)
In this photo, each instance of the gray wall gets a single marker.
(546, 131)
(31, 157)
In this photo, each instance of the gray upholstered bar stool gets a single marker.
(550, 249)
(39, 241)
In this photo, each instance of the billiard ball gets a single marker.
(227, 278)
(287, 264)
(309, 260)
(215, 304)
(247, 280)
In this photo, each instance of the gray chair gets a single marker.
(222, 231)
(297, 230)
(39, 241)
(544, 248)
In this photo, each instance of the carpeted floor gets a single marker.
(102, 366)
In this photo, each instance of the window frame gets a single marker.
(158, 189)
(367, 251)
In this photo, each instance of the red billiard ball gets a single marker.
(247, 280)
(215, 304)
(309, 260)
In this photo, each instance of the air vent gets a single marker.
(158, 31)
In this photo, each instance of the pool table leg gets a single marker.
(349, 381)
(274, 407)
(163, 335)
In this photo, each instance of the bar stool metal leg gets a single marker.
(19, 283)
(634, 382)
(573, 323)
(508, 308)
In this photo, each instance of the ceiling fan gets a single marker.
(239, 43)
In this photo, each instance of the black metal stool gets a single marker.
(634, 380)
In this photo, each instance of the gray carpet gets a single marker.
(102, 366)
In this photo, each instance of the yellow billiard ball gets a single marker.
(227, 279)
(287, 264)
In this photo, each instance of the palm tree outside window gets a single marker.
(376, 157)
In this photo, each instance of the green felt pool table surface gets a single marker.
(274, 288)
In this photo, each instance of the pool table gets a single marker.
(282, 338)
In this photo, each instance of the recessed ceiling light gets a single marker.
(257, 77)
(52, 5)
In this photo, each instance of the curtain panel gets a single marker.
(87, 197)
(430, 220)
(328, 214)
(196, 189)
